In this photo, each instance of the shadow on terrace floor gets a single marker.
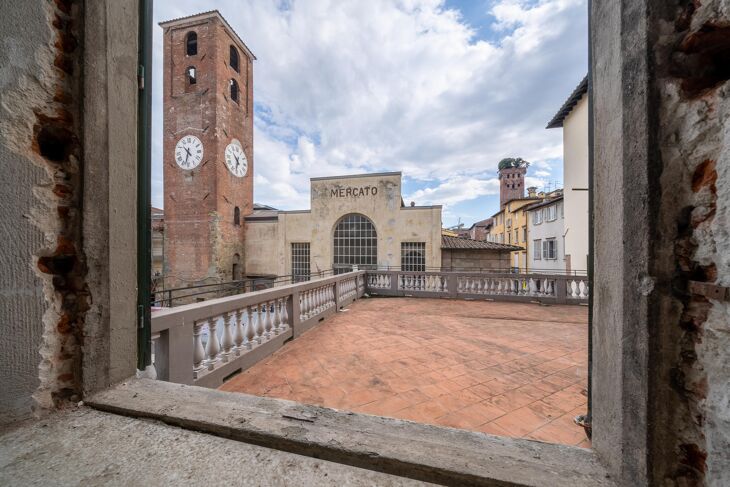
(507, 369)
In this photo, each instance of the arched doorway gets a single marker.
(355, 244)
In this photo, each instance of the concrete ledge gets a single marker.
(417, 451)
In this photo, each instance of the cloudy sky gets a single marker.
(441, 90)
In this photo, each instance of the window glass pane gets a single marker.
(355, 243)
(413, 256)
(300, 261)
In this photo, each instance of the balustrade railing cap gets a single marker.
(190, 313)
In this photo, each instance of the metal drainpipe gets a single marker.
(144, 188)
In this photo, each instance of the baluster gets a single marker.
(259, 325)
(198, 350)
(268, 322)
(581, 290)
(277, 316)
(227, 342)
(214, 346)
(285, 314)
(250, 330)
(238, 332)
(573, 289)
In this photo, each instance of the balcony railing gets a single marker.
(549, 289)
(205, 343)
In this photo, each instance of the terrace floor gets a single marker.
(508, 369)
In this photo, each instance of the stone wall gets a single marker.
(475, 260)
(62, 168)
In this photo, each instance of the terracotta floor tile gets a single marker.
(387, 406)
(493, 429)
(559, 433)
(480, 413)
(426, 412)
(433, 390)
(361, 397)
(510, 369)
(482, 391)
(521, 422)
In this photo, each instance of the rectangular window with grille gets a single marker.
(300, 261)
(413, 256)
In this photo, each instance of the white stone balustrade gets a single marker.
(204, 343)
(505, 286)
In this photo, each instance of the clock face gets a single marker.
(189, 152)
(236, 159)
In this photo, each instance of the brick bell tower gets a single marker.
(511, 184)
(208, 149)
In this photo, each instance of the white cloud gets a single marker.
(357, 86)
(455, 190)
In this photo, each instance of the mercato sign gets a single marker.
(356, 192)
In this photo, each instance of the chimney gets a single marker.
(532, 192)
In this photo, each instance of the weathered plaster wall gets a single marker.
(28, 80)
(661, 413)
(692, 50)
(61, 294)
(263, 253)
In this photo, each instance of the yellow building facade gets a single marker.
(510, 227)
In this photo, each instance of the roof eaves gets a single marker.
(570, 103)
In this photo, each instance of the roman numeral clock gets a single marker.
(236, 161)
(189, 152)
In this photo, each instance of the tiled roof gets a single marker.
(567, 107)
(257, 214)
(460, 243)
(540, 204)
(483, 223)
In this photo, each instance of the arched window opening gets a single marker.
(192, 75)
(234, 59)
(236, 270)
(237, 216)
(234, 90)
(355, 244)
(191, 44)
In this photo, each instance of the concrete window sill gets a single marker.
(398, 447)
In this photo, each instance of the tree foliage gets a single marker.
(508, 162)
